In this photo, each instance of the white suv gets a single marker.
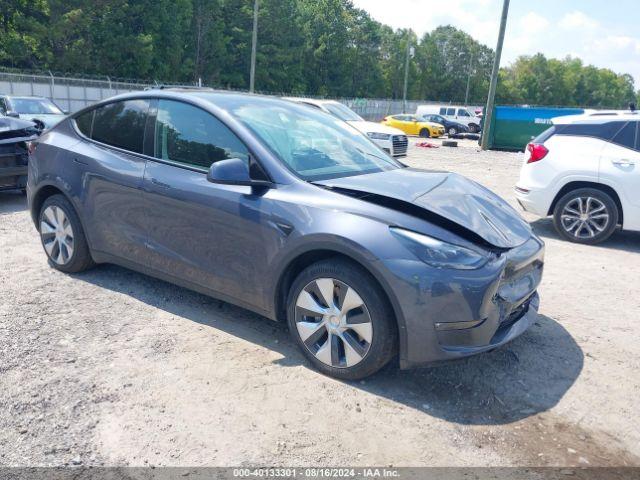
(391, 140)
(586, 173)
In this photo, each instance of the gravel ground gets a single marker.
(111, 367)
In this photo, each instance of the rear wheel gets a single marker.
(473, 128)
(586, 215)
(340, 319)
(62, 236)
(424, 133)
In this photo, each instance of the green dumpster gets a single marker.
(514, 127)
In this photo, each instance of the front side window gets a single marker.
(121, 124)
(187, 134)
(463, 113)
(313, 144)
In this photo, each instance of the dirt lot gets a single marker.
(112, 367)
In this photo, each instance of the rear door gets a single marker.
(212, 235)
(620, 169)
(111, 166)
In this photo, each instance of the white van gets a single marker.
(455, 113)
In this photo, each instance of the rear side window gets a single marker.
(627, 136)
(189, 135)
(84, 123)
(451, 111)
(121, 124)
(443, 111)
(603, 131)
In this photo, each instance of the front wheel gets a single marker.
(424, 133)
(340, 319)
(473, 128)
(586, 215)
(452, 131)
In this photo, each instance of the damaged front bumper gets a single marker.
(14, 156)
(454, 314)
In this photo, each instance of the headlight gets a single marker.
(378, 136)
(440, 254)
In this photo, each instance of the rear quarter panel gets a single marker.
(569, 159)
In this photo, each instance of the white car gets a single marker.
(586, 173)
(391, 140)
(454, 113)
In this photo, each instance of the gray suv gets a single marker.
(293, 214)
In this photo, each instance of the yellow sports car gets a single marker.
(412, 125)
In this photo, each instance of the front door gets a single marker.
(212, 235)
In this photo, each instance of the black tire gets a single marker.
(449, 143)
(384, 341)
(581, 234)
(424, 133)
(80, 259)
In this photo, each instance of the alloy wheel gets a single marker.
(57, 235)
(333, 322)
(585, 217)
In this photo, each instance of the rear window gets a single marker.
(544, 136)
(121, 124)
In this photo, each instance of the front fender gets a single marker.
(345, 247)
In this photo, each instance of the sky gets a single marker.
(601, 33)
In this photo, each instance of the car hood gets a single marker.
(49, 120)
(449, 196)
(366, 127)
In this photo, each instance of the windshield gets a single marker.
(342, 112)
(316, 146)
(35, 106)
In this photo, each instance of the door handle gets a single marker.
(623, 163)
(160, 184)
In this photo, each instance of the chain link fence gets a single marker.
(74, 93)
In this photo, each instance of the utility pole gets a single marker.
(466, 95)
(254, 47)
(488, 111)
(406, 73)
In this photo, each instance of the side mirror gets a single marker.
(234, 171)
(12, 114)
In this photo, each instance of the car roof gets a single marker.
(313, 101)
(596, 119)
(24, 97)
